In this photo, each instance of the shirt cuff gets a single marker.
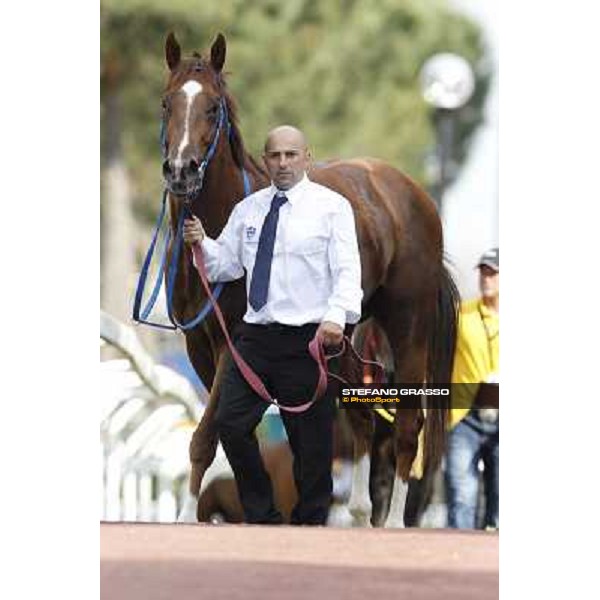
(209, 246)
(210, 249)
(336, 315)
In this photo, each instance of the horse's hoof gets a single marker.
(217, 518)
(339, 516)
(394, 524)
(187, 514)
(361, 515)
(362, 523)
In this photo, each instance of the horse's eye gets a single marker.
(211, 113)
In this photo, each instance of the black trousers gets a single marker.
(279, 355)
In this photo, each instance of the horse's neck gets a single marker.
(258, 173)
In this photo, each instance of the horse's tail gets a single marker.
(441, 344)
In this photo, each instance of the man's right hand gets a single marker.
(193, 232)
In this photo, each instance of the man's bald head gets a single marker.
(286, 156)
(286, 134)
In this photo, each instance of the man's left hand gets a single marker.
(331, 334)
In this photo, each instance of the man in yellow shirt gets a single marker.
(474, 420)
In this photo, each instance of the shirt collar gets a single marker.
(294, 193)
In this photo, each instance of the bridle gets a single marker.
(189, 195)
(140, 315)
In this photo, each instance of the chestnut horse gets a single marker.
(407, 288)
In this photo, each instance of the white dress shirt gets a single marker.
(315, 272)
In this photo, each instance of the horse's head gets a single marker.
(194, 115)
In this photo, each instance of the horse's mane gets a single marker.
(235, 137)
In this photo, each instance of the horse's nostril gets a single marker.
(166, 169)
(189, 170)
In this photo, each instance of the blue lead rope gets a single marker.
(171, 284)
(144, 274)
(171, 274)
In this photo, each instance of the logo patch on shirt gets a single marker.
(250, 232)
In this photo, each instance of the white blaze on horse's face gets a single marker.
(191, 89)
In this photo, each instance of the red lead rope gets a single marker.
(315, 348)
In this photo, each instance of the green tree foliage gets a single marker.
(346, 72)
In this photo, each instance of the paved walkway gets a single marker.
(180, 562)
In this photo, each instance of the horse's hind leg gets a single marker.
(359, 503)
(406, 436)
(407, 335)
(362, 427)
(383, 468)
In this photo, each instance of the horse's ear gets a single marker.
(217, 53)
(172, 51)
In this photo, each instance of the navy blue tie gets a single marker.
(259, 286)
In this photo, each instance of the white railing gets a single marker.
(148, 413)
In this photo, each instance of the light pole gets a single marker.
(447, 84)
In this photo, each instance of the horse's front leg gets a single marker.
(359, 503)
(203, 446)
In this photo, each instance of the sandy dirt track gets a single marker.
(177, 562)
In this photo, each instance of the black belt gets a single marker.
(281, 327)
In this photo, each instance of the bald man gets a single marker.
(296, 242)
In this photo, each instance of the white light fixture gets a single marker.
(447, 81)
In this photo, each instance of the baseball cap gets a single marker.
(491, 258)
